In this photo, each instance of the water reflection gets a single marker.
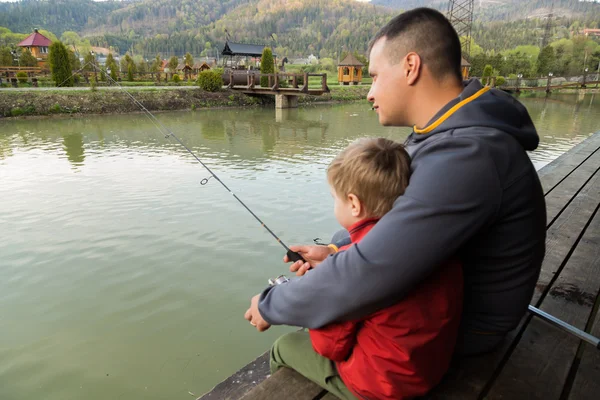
(73, 144)
(257, 135)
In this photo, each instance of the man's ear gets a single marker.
(412, 67)
(356, 205)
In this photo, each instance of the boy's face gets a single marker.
(347, 209)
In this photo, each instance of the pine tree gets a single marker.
(111, 64)
(60, 65)
(173, 62)
(26, 59)
(6, 58)
(156, 65)
(487, 73)
(545, 61)
(267, 66)
(189, 60)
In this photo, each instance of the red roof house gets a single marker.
(38, 45)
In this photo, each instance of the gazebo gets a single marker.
(201, 67)
(350, 71)
(186, 69)
(466, 67)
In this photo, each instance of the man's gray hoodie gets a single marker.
(474, 193)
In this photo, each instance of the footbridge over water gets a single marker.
(286, 87)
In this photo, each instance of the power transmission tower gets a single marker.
(460, 14)
(547, 32)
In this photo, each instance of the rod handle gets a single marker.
(293, 256)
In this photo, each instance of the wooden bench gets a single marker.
(537, 360)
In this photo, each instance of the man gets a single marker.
(473, 192)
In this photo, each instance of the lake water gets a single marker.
(122, 277)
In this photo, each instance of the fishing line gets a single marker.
(292, 255)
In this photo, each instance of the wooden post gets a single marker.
(324, 82)
(584, 76)
(295, 81)
(548, 84)
(305, 86)
(230, 80)
(276, 85)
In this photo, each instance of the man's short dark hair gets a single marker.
(428, 33)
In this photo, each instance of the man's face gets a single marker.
(389, 91)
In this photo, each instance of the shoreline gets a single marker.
(29, 104)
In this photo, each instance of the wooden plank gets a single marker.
(285, 384)
(554, 172)
(467, 377)
(587, 380)
(560, 196)
(565, 233)
(539, 366)
(238, 384)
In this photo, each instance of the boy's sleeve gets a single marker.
(334, 341)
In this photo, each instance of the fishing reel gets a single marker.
(279, 280)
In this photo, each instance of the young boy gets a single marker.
(401, 351)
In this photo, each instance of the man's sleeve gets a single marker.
(454, 192)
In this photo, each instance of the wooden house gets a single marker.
(38, 45)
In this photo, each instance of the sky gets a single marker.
(11, 1)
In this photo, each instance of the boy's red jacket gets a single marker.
(401, 351)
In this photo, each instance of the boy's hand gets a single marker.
(313, 255)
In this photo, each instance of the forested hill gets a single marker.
(509, 10)
(321, 27)
(293, 27)
(56, 16)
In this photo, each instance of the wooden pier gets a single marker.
(286, 95)
(537, 360)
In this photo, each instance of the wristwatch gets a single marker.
(279, 280)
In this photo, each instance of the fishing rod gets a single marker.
(292, 255)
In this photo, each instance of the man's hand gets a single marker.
(313, 255)
(253, 315)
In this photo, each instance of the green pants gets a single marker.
(294, 350)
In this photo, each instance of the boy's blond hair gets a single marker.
(376, 170)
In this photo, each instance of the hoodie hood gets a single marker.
(479, 106)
